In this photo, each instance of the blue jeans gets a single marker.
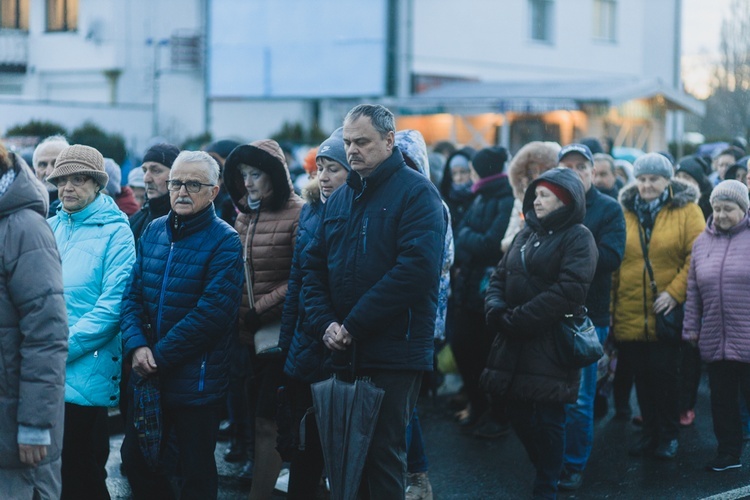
(579, 428)
(416, 459)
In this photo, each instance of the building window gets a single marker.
(605, 19)
(541, 19)
(62, 15)
(14, 14)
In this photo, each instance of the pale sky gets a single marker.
(701, 33)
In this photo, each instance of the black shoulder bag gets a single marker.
(576, 342)
(669, 325)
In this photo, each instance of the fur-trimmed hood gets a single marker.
(537, 155)
(267, 156)
(680, 194)
(311, 191)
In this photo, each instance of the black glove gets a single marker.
(506, 324)
(493, 317)
(252, 321)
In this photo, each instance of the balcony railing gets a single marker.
(14, 51)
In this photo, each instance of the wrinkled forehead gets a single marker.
(49, 151)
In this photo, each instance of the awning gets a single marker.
(466, 98)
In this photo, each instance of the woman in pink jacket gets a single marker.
(716, 314)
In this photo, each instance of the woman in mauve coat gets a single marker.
(544, 276)
(716, 314)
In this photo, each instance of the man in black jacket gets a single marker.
(371, 281)
(606, 222)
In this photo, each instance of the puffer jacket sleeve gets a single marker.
(101, 324)
(318, 304)
(132, 314)
(611, 241)
(472, 242)
(578, 256)
(693, 225)
(420, 240)
(495, 297)
(35, 288)
(290, 312)
(691, 326)
(215, 312)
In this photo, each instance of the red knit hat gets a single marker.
(562, 194)
(309, 164)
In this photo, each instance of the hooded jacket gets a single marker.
(458, 201)
(33, 324)
(544, 276)
(676, 227)
(716, 306)
(268, 233)
(97, 250)
(307, 357)
(375, 266)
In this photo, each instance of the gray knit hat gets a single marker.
(731, 190)
(78, 159)
(115, 177)
(333, 148)
(653, 164)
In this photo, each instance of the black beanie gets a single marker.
(163, 153)
(490, 161)
(221, 148)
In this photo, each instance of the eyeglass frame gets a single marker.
(172, 182)
(63, 180)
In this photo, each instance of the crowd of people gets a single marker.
(160, 294)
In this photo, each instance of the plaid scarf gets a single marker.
(648, 210)
(6, 180)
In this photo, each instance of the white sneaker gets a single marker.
(282, 482)
(418, 487)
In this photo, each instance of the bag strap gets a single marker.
(649, 269)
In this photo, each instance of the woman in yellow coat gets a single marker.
(663, 213)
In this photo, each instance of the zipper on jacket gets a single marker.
(364, 236)
(408, 324)
(163, 292)
(202, 378)
(721, 297)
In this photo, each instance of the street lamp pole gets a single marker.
(156, 44)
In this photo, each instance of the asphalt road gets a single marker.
(463, 467)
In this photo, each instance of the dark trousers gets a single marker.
(656, 366)
(541, 429)
(85, 452)
(691, 376)
(195, 430)
(727, 379)
(622, 385)
(385, 467)
(306, 466)
(471, 344)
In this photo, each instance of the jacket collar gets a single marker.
(382, 173)
(742, 225)
(159, 206)
(179, 227)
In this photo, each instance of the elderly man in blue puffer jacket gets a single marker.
(178, 315)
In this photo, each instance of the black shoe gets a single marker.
(570, 481)
(490, 429)
(245, 477)
(667, 450)
(722, 463)
(643, 448)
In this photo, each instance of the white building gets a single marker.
(476, 71)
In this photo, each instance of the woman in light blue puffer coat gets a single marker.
(97, 251)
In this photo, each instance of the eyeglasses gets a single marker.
(76, 180)
(190, 186)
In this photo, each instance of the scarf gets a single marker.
(6, 180)
(648, 210)
(461, 192)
